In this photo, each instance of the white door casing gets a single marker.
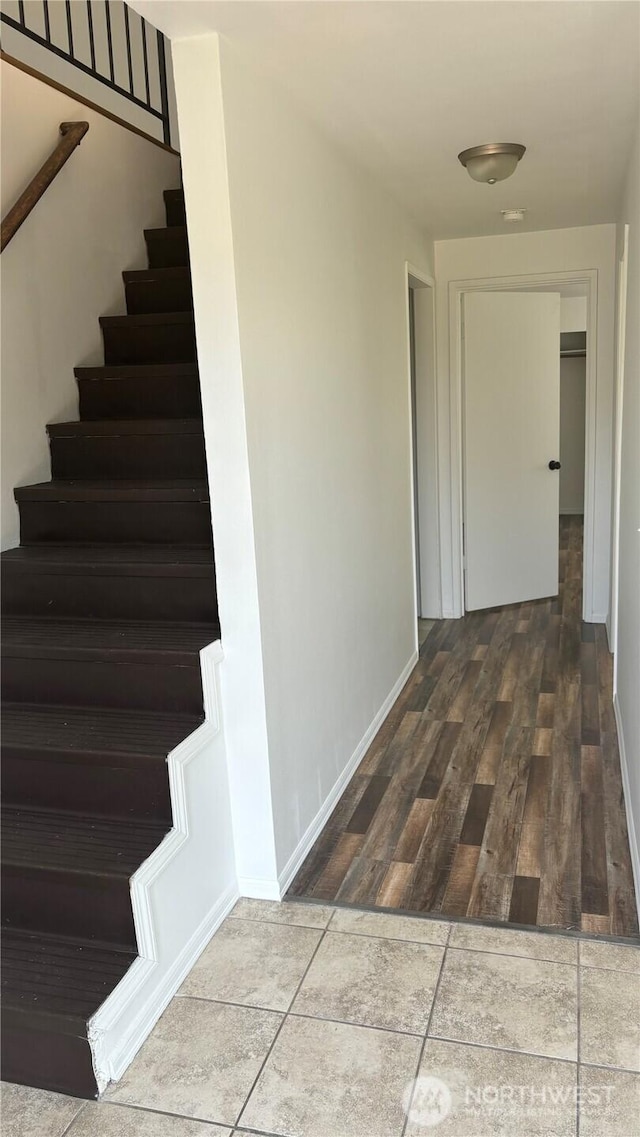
(511, 423)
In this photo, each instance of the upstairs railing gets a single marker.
(72, 134)
(104, 39)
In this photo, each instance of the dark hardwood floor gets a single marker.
(493, 789)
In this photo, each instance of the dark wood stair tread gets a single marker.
(83, 845)
(166, 233)
(138, 371)
(126, 737)
(146, 319)
(155, 490)
(107, 427)
(143, 641)
(50, 975)
(114, 560)
(121, 559)
(142, 275)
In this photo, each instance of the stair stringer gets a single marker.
(180, 894)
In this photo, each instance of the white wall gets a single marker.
(628, 635)
(204, 166)
(573, 313)
(62, 270)
(319, 261)
(573, 377)
(520, 255)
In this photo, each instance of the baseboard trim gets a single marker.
(120, 1026)
(634, 843)
(111, 1061)
(257, 888)
(312, 831)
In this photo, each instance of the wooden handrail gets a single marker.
(72, 135)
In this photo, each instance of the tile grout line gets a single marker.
(510, 955)
(504, 1049)
(75, 1117)
(155, 1112)
(285, 1016)
(424, 1043)
(401, 915)
(305, 1015)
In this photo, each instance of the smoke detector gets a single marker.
(513, 214)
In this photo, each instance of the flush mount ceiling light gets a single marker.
(492, 162)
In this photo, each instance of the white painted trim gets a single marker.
(257, 888)
(621, 328)
(119, 1027)
(414, 277)
(114, 1051)
(457, 288)
(634, 842)
(309, 836)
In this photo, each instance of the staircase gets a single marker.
(106, 605)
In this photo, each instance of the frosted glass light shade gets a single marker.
(493, 162)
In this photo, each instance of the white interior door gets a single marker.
(511, 434)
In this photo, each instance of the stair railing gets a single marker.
(72, 134)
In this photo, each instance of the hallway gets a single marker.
(493, 789)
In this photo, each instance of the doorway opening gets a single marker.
(524, 427)
(596, 560)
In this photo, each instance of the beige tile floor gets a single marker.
(306, 1021)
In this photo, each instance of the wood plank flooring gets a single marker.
(493, 788)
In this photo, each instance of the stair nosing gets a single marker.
(162, 232)
(146, 319)
(109, 428)
(164, 272)
(137, 371)
(28, 637)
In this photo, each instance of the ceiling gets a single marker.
(403, 87)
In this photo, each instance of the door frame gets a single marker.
(423, 442)
(621, 327)
(545, 282)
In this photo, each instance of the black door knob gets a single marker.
(553, 465)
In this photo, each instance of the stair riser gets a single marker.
(175, 211)
(81, 683)
(152, 343)
(158, 296)
(165, 523)
(86, 786)
(167, 252)
(109, 597)
(47, 1059)
(68, 904)
(138, 398)
(129, 456)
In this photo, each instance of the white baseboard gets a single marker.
(634, 843)
(312, 831)
(114, 1048)
(176, 905)
(257, 888)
